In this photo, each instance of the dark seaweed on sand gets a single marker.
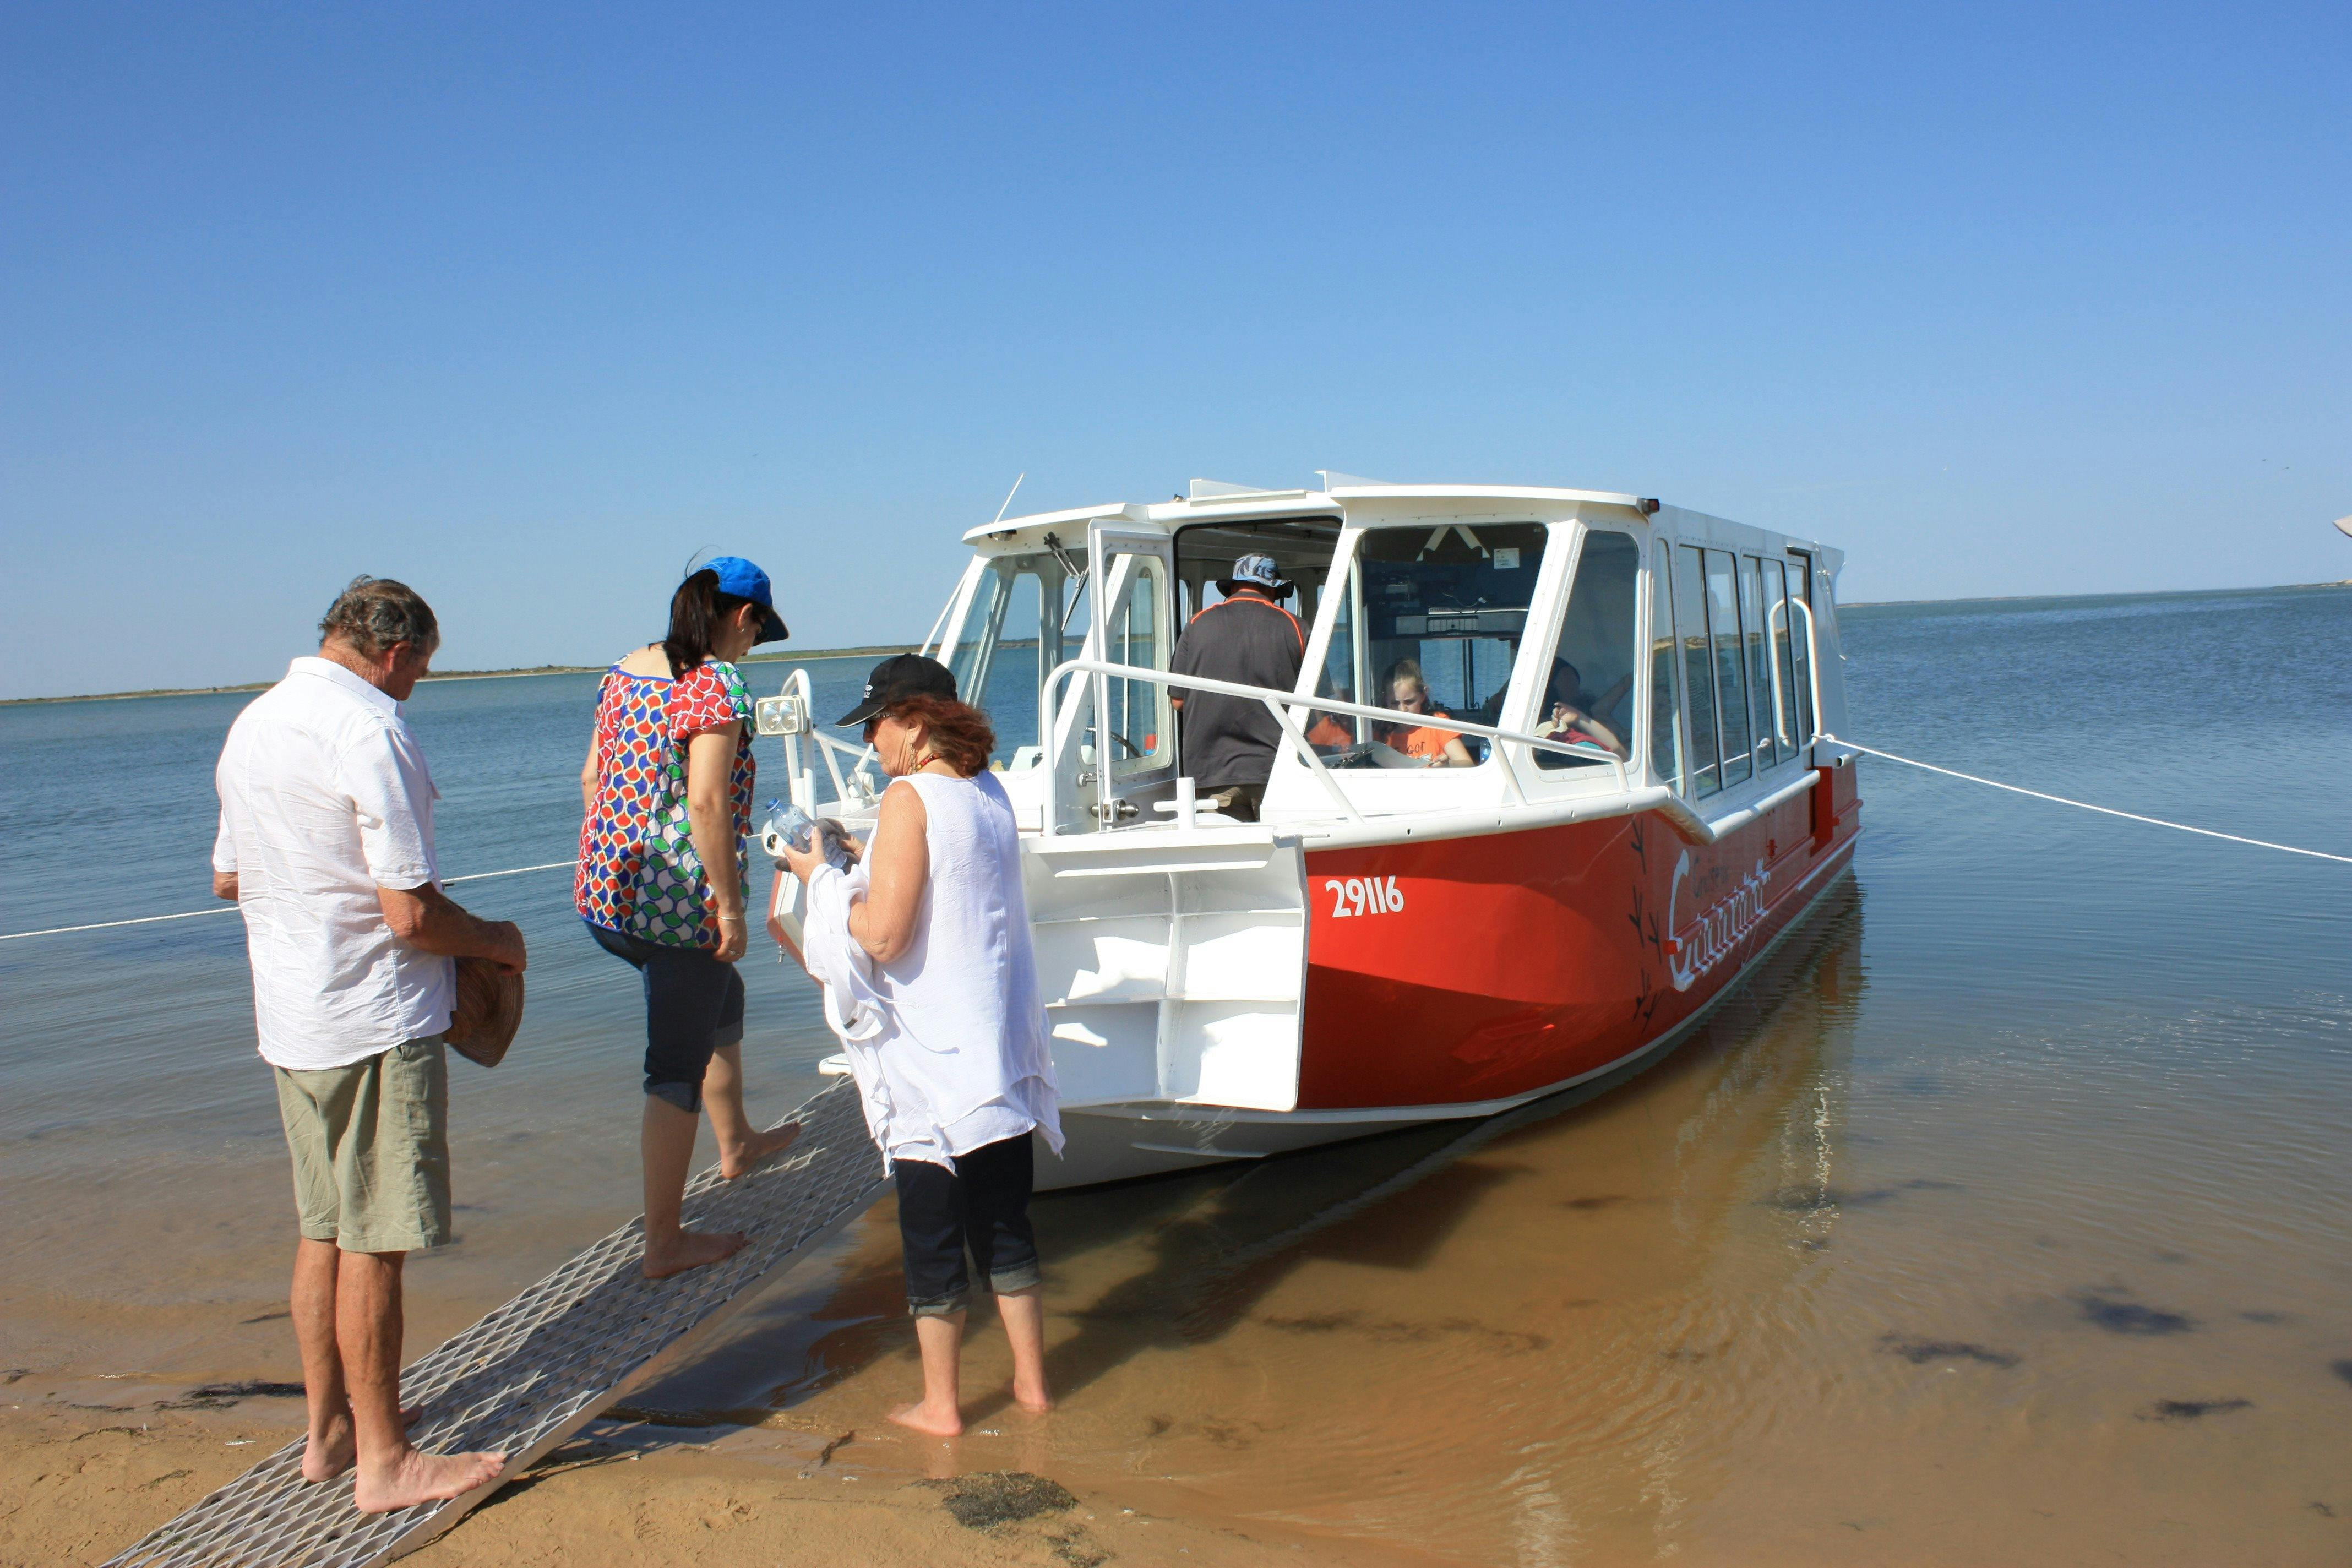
(1002, 1497)
(1919, 1353)
(2191, 1409)
(218, 1395)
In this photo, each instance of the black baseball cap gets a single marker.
(902, 676)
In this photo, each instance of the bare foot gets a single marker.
(423, 1478)
(757, 1151)
(325, 1458)
(692, 1250)
(1037, 1400)
(329, 1455)
(923, 1418)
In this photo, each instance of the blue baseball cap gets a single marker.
(745, 580)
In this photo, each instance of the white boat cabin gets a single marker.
(1690, 638)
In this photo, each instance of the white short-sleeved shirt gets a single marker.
(324, 798)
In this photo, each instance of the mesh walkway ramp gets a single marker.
(535, 1371)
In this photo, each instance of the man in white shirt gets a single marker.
(326, 844)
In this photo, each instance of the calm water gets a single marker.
(2006, 1217)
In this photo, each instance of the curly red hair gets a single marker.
(956, 732)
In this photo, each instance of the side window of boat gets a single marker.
(1763, 692)
(995, 660)
(1588, 696)
(1730, 663)
(1666, 743)
(1142, 737)
(1705, 771)
(1800, 571)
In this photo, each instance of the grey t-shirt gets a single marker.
(1231, 739)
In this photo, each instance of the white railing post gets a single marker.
(1292, 736)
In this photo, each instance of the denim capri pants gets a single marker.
(694, 1005)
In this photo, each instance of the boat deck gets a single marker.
(533, 1371)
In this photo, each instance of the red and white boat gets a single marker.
(1392, 943)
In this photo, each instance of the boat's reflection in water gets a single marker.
(1496, 1336)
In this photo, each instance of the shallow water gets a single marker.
(2003, 1217)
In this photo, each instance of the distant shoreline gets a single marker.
(874, 651)
(877, 650)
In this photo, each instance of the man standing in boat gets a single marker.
(1246, 638)
(326, 844)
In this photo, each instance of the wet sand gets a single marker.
(1765, 1304)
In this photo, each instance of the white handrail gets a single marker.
(1276, 703)
(1813, 669)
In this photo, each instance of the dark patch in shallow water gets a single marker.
(2132, 1317)
(2271, 1318)
(1813, 1200)
(1391, 1332)
(1585, 1205)
(1919, 1353)
(268, 1317)
(1000, 1497)
(2342, 1369)
(2192, 1409)
(220, 1395)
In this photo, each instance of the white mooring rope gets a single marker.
(2084, 805)
(225, 907)
(1833, 740)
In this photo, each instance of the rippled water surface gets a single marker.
(2004, 1216)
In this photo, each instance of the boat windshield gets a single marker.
(1431, 623)
(1028, 613)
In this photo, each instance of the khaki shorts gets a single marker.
(371, 1147)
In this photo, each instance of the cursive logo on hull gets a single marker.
(1719, 930)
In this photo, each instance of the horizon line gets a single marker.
(520, 671)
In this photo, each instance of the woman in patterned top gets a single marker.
(668, 795)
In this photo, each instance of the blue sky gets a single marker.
(527, 305)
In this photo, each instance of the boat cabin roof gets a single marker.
(1370, 503)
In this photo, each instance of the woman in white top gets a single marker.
(954, 1068)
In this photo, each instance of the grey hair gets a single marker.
(374, 612)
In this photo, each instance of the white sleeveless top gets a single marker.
(962, 1059)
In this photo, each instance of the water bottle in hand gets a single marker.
(788, 823)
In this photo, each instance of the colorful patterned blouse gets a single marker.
(638, 871)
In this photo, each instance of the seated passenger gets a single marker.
(1565, 715)
(1330, 732)
(1437, 748)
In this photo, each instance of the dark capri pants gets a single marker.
(981, 1205)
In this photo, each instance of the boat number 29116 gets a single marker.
(1363, 896)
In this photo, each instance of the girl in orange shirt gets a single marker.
(1439, 748)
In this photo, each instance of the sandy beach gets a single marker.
(85, 1471)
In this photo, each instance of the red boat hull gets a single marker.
(1469, 970)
